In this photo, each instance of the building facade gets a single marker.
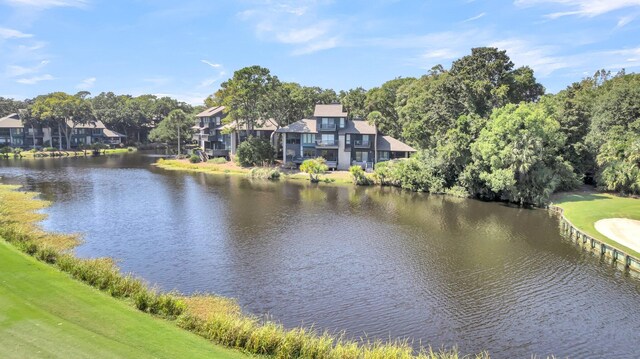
(342, 142)
(14, 133)
(221, 140)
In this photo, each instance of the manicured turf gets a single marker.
(585, 209)
(45, 314)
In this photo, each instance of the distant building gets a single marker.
(340, 141)
(219, 139)
(14, 133)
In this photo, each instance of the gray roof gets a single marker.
(267, 126)
(302, 126)
(211, 111)
(358, 126)
(388, 143)
(333, 110)
(11, 121)
(97, 124)
(111, 133)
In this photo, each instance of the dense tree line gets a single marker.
(484, 127)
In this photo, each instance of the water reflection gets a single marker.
(374, 261)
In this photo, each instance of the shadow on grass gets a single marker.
(575, 197)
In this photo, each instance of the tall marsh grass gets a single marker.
(217, 319)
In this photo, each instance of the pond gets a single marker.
(374, 262)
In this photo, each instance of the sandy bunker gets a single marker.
(622, 230)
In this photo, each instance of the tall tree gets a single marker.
(354, 102)
(175, 128)
(64, 111)
(245, 97)
(384, 101)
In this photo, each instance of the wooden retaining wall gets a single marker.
(622, 259)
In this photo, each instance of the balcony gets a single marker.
(327, 143)
(361, 144)
(328, 127)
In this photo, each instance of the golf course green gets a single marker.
(46, 314)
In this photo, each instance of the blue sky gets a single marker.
(186, 48)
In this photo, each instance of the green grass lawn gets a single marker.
(46, 314)
(585, 209)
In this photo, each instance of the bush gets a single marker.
(265, 173)
(50, 149)
(420, 173)
(255, 152)
(359, 177)
(218, 160)
(314, 167)
(194, 159)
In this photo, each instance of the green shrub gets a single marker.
(265, 173)
(194, 159)
(50, 149)
(218, 160)
(255, 152)
(314, 167)
(359, 176)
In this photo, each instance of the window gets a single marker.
(308, 138)
(293, 141)
(309, 153)
(362, 156)
(328, 140)
(347, 139)
(329, 155)
(383, 155)
(365, 139)
(218, 121)
(96, 131)
(341, 122)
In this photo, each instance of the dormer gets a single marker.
(330, 118)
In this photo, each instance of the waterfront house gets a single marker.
(14, 133)
(221, 140)
(341, 141)
(11, 131)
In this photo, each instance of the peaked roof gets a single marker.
(211, 111)
(11, 121)
(267, 126)
(388, 143)
(97, 125)
(359, 126)
(332, 110)
(302, 126)
(111, 133)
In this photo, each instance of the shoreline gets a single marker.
(619, 257)
(216, 319)
(622, 256)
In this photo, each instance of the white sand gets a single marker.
(622, 230)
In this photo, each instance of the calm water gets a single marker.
(375, 262)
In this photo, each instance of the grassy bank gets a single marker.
(584, 209)
(230, 168)
(45, 313)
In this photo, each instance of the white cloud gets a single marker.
(585, 8)
(474, 18)
(44, 4)
(215, 66)
(541, 59)
(17, 70)
(6, 33)
(295, 23)
(86, 83)
(35, 79)
(209, 81)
